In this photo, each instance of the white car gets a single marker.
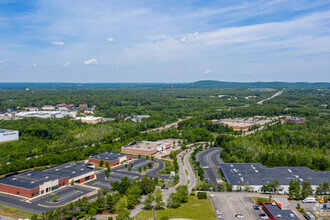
(239, 216)
(218, 212)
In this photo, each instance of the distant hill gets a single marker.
(222, 84)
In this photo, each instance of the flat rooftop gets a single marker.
(144, 145)
(108, 156)
(70, 170)
(257, 174)
(6, 131)
(276, 210)
(29, 180)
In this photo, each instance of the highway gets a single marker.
(209, 160)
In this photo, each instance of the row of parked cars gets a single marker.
(262, 215)
(219, 214)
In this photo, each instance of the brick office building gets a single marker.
(109, 157)
(34, 183)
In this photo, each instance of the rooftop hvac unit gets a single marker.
(14, 178)
(107, 158)
(56, 169)
(290, 171)
(240, 174)
(73, 171)
(301, 180)
(32, 182)
(297, 176)
(29, 174)
(231, 165)
(47, 177)
(256, 171)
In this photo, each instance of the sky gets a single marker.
(164, 40)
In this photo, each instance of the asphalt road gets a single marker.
(209, 160)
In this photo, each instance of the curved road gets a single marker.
(210, 160)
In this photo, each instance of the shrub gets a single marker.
(192, 193)
(164, 218)
(201, 195)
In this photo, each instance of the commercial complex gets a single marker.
(275, 211)
(295, 120)
(256, 175)
(8, 135)
(145, 147)
(109, 157)
(33, 183)
(244, 124)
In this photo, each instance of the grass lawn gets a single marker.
(14, 213)
(193, 209)
(260, 200)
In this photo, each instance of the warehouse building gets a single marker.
(34, 183)
(109, 157)
(256, 175)
(79, 172)
(295, 120)
(31, 183)
(8, 135)
(275, 211)
(145, 147)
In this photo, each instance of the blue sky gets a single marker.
(164, 40)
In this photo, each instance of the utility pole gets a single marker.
(153, 210)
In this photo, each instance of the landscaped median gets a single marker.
(194, 209)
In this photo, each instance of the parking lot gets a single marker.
(230, 204)
(65, 195)
(119, 172)
(209, 160)
(70, 193)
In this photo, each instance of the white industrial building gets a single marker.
(8, 135)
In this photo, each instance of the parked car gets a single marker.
(240, 216)
(256, 208)
(218, 212)
(219, 216)
(262, 214)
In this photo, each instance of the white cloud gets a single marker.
(109, 39)
(207, 71)
(2, 61)
(66, 64)
(186, 37)
(58, 43)
(34, 65)
(91, 62)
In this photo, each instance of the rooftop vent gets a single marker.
(56, 169)
(253, 168)
(290, 171)
(231, 165)
(46, 177)
(240, 174)
(14, 178)
(256, 171)
(73, 171)
(81, 169)
(301, 180)
(297, 176)
(29, 174)
(107, 158)
(32, 182)
(111, 153)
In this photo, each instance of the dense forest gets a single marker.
(45, 142)
(306, 144)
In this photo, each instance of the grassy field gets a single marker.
(14, 213)
(193, 209)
